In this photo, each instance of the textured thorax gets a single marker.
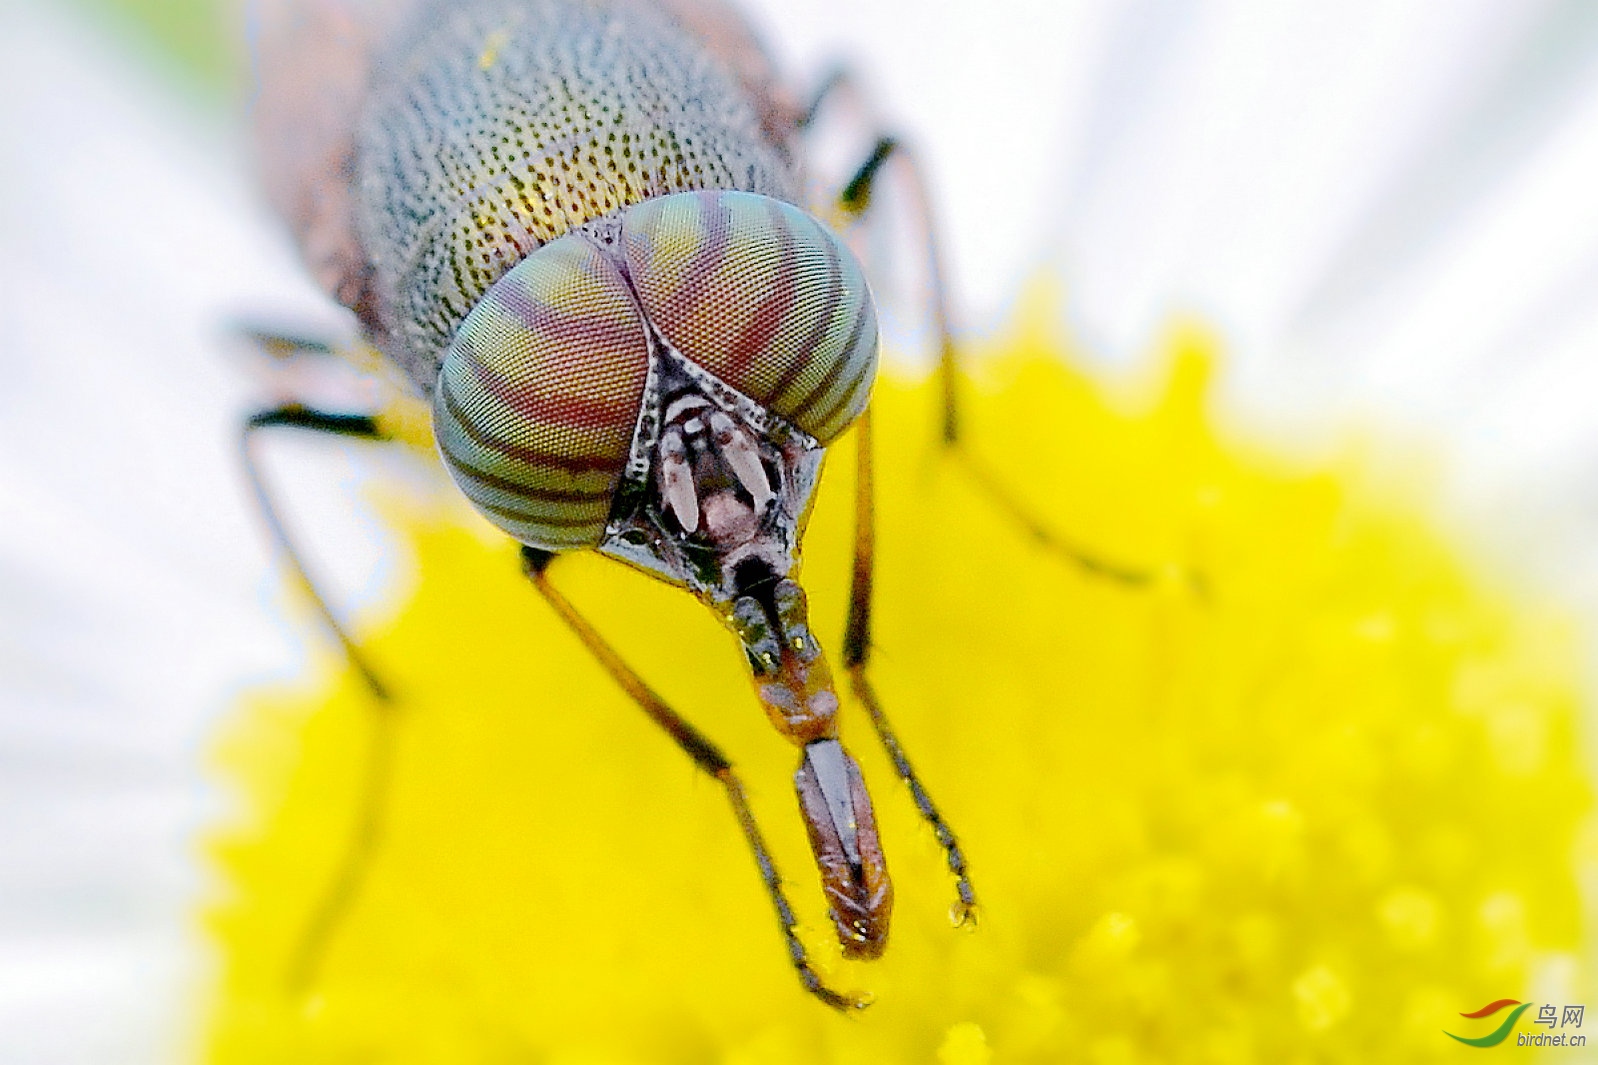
(496, 126)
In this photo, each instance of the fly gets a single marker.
(573, 228)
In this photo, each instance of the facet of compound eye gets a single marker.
(539, 395)
(763, 296)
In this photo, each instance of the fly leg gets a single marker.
(705, 754)
(855, 200)
(857, 651)
(293, 416)
(337, 900)
(841, 88)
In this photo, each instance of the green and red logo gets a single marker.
(1549, 1015)
(1499, 1034)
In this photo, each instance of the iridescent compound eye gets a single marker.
(539, 396)
(540, 390)
(763, 296)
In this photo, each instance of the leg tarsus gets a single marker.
(787, 923)
(856, 653)
(964, 911)
(992, 487)
(1002, 500)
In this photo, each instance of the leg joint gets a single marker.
(856, 195)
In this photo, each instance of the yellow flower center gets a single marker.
(1309, 794)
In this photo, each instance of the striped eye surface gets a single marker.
(539, 395)
(763, 296)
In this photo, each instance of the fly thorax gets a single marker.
(495, 127)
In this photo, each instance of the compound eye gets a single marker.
(539, 396)
(763, 296)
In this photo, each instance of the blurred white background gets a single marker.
(1385, 209)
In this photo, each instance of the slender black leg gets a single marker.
(358, 426)
(840, 88)
(705, 754)
(345, 886)
(856, 653)
(856, 199)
